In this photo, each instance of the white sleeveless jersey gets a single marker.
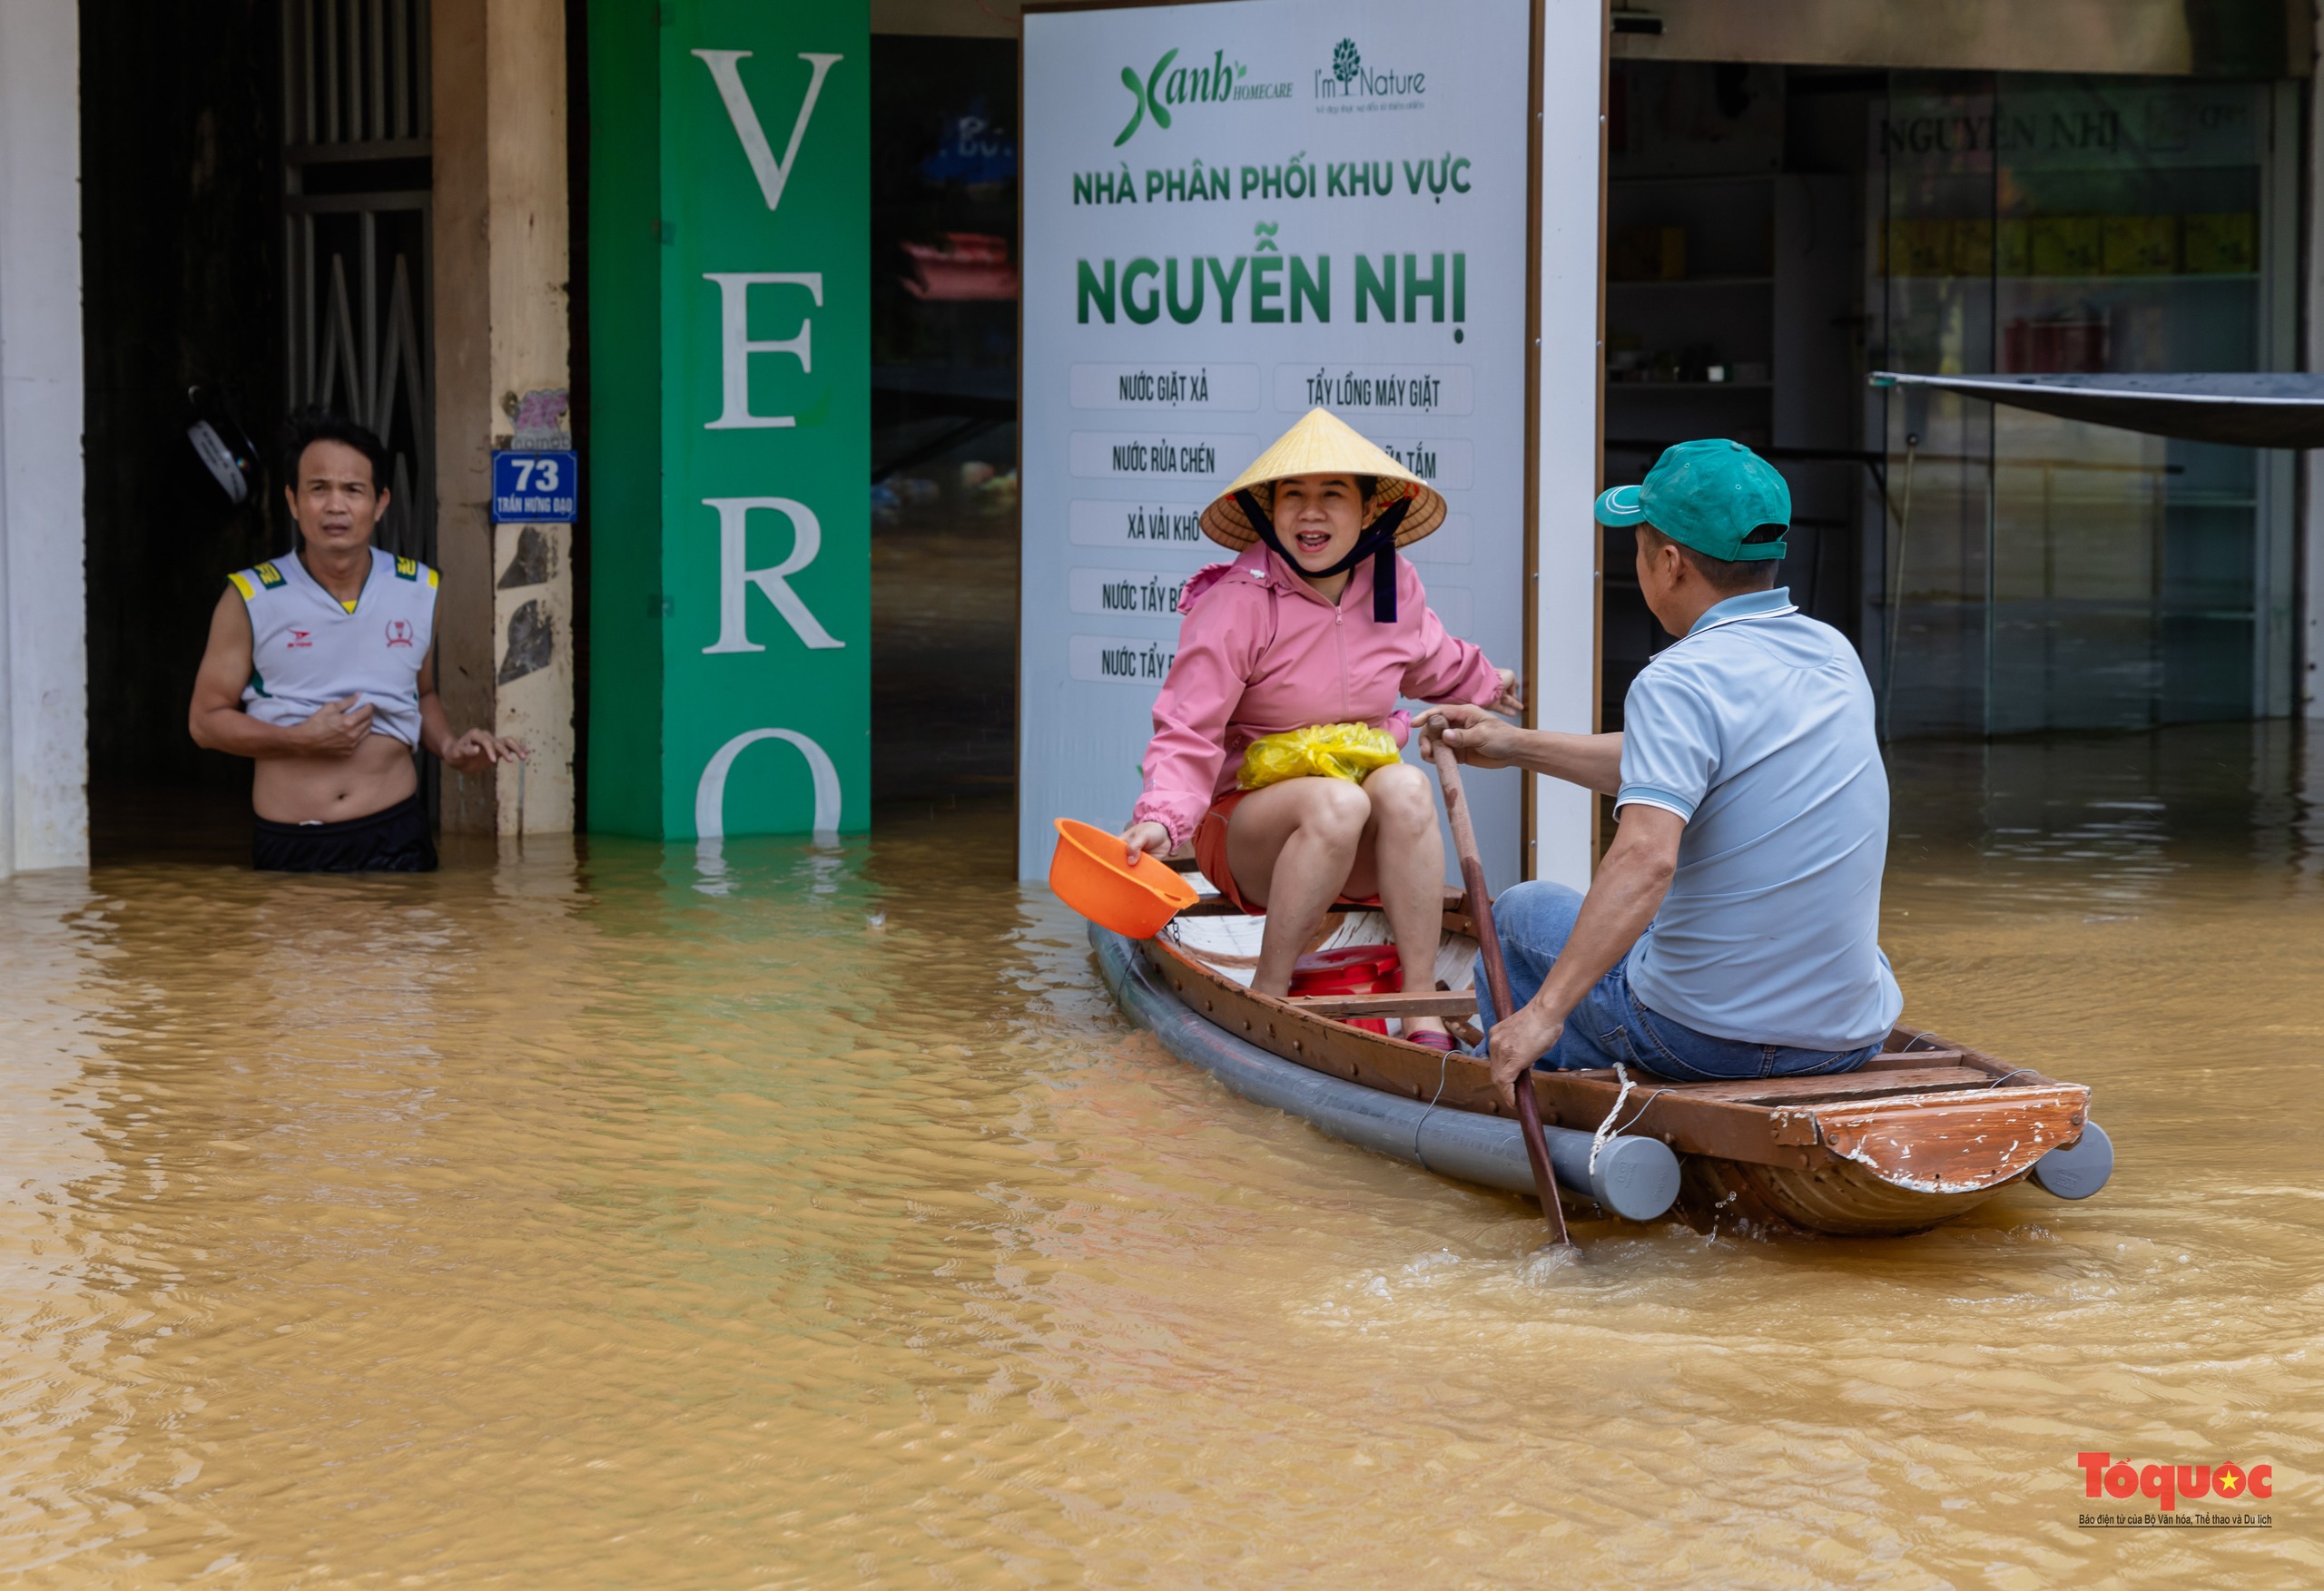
(306, 650)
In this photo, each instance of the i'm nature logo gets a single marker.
(1347, 77)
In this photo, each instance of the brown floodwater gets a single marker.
(603, 1219)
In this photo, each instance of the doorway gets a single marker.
(182, 271)
(944, 515)
(254, 209)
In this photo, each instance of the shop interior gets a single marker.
(944, 516)
(1777, 234)
(1734, 307)
(2044, 574)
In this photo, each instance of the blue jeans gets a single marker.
(1611, 1025)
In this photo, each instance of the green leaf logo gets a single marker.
(1137, 106)
(1145, 97)
(1345, 60)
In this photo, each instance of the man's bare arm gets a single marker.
(1483, 740)
(461, 753)
(215, 717)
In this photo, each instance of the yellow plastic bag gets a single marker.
(1329, 750)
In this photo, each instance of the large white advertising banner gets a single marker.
(1236, 212)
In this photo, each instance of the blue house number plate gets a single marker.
(535, 488)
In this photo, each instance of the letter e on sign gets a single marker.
(735, 347)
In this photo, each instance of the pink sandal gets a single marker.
(1430, 1039)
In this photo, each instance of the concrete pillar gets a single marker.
(1561, 664)
(44, 655)
(2308, 668)
(505, 619)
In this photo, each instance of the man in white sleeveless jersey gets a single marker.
(321, 669)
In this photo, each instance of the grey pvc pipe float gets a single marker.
(2078, 1172)
(1635, 1178)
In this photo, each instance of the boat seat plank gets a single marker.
(1456, 904)
(1432, 1003)
(1839, 1085)
(1901, 1060)
(1908, 1046)
(1828, 1086)
(1219, 906)
(1988, 1103)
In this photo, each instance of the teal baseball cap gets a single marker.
(1714, 496)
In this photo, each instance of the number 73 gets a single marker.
(537, 474)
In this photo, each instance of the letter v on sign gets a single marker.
(771, 173)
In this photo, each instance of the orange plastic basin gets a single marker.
(1089, 875)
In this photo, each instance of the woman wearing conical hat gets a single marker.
(1317, 622)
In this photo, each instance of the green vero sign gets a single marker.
(730, 650)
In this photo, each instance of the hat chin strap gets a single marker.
(1377, 542)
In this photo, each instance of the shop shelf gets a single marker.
(2117, 278)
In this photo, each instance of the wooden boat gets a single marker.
(1927, 1131)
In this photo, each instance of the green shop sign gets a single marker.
(730, 417)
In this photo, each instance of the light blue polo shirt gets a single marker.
(1757, 728)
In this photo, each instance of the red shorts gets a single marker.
(1210, 855)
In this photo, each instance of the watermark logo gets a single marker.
(2167, 1485)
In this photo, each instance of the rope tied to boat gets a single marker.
(1443, 1069)
(1606, 1128)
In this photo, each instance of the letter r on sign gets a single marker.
(736, 577)
(735, 347)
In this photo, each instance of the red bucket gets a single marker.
(1352, 970)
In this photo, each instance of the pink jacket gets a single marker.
(1261, 652)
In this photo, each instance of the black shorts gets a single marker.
(394, 839)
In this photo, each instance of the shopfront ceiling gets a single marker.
(2204, 38)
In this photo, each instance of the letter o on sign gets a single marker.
(2122, 1480)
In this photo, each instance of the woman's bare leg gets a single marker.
(1290, 847)
(1402, 860)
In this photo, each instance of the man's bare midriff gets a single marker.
(372, 777)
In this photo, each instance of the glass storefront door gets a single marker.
(2043, 574)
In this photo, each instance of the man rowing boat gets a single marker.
(1732, 928)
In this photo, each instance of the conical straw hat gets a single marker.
(1324, 444)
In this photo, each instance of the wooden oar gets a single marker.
(1473, 874)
